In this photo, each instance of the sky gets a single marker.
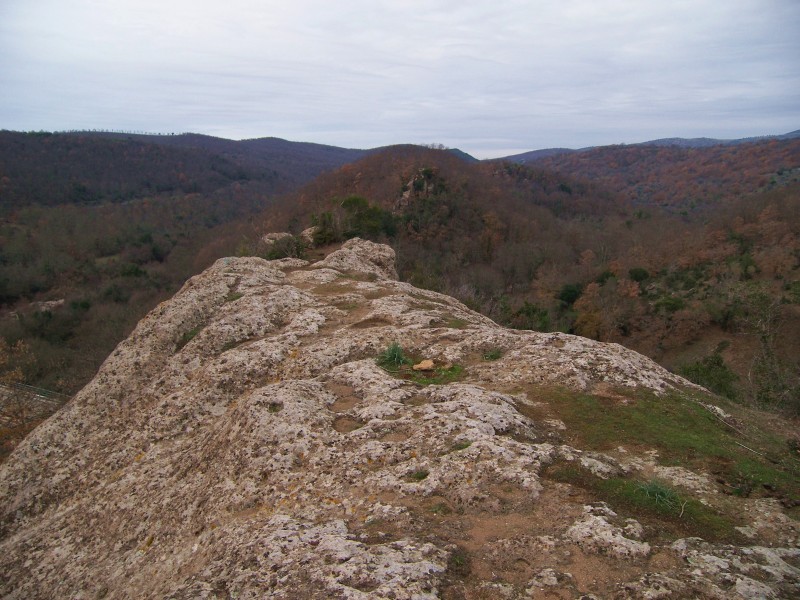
(491, 78)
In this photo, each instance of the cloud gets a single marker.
(488, 76)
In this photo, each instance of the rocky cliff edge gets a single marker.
(243, 442)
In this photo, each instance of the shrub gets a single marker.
(670, 304)
(712, 373)
(569, 294)
(287, 247)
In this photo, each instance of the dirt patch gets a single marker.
(346, 424)
(372, 322)
(346, 397)
(394, 436)
(609, 392)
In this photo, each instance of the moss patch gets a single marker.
(668, 513)
(746, 458)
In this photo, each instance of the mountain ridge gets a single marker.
(676, 142)
(244, 441)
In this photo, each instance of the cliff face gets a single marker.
(244, 443)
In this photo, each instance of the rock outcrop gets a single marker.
(244, 443)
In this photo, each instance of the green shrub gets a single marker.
(569, 294)
(712, 373)
(670, 304)
(287, 247)
(530, 316)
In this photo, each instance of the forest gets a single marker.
(688, 255)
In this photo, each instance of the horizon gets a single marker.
(421, 144)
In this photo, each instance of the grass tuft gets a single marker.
(393, 358)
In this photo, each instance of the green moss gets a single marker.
(451, 323)
(493, 354)
(188, 337)
(233, 296)
(463, 445)
(438, 376)
(441, 508)
(668, 513)
(419, 475)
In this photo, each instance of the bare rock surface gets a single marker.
(243, 443)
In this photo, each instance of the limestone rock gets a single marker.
(307, 235)
(271, 238)
(243, 442)
(424, 365)
(363, 257)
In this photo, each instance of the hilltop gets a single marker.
(263, 433)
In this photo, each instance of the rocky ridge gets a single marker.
(244, 443)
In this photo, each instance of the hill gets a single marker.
(534, 155)
(262, 435)
(96, 167)
(684, 178)
(296, 162)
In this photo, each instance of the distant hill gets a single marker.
(50, 169)
(708, 142)
(101, 167)
(681, 177)
(296, 162)
(677, 142)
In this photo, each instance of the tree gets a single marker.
(772, 381)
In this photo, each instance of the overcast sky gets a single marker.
(490, 77)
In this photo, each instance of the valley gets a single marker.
(690, 255)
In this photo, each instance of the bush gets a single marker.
(638, 274)
(569, 293)
(287, 247)
(670, 304)
(327, 229)
(712, 373)
(530, 316)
